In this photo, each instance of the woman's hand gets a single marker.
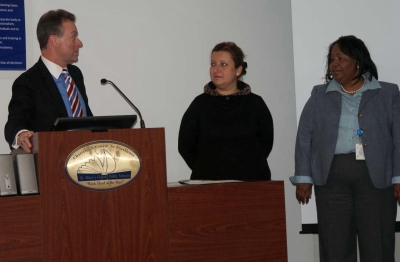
(396, 192)
(303, 192)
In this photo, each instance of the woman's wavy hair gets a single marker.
(356, 49)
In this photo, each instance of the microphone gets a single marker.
(105, 81)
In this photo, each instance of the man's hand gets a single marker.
(24, 141)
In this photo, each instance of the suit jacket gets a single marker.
(378, 115)
(36, 102)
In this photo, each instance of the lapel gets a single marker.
(336, 97)
(51, 87)
(366, 96)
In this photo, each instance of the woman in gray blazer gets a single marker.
(348, 146)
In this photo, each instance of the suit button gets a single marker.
(359, 115)
(365, 144)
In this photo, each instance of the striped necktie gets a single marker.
(72, 92)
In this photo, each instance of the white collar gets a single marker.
(55, 70)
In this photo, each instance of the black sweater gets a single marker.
(227, 137)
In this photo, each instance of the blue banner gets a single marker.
(12, 35)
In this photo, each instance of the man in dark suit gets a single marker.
(40, 96)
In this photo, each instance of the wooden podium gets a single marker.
(69, 223)
(228, 222)
(143, 221)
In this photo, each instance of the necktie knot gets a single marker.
(65, 75)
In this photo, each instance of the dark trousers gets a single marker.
(349, 205)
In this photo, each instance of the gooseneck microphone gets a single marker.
(105, 81)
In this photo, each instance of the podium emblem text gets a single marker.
(103, 165)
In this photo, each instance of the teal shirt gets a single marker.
(348, 123)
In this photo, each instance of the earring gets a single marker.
(358, 66)
(237, 74)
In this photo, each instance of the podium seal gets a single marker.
(103, 165)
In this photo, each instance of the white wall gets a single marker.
(157, 52)
(318, 23)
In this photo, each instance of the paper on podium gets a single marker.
(205, 182)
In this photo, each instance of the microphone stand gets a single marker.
(105, 81)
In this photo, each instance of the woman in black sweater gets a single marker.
(227, 132)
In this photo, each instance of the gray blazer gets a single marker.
(378, 115)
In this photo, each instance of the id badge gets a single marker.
(360, 152)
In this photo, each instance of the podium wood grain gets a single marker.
(228, 222)
(20, 229)
(70, 223)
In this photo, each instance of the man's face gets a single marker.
(68, 44)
